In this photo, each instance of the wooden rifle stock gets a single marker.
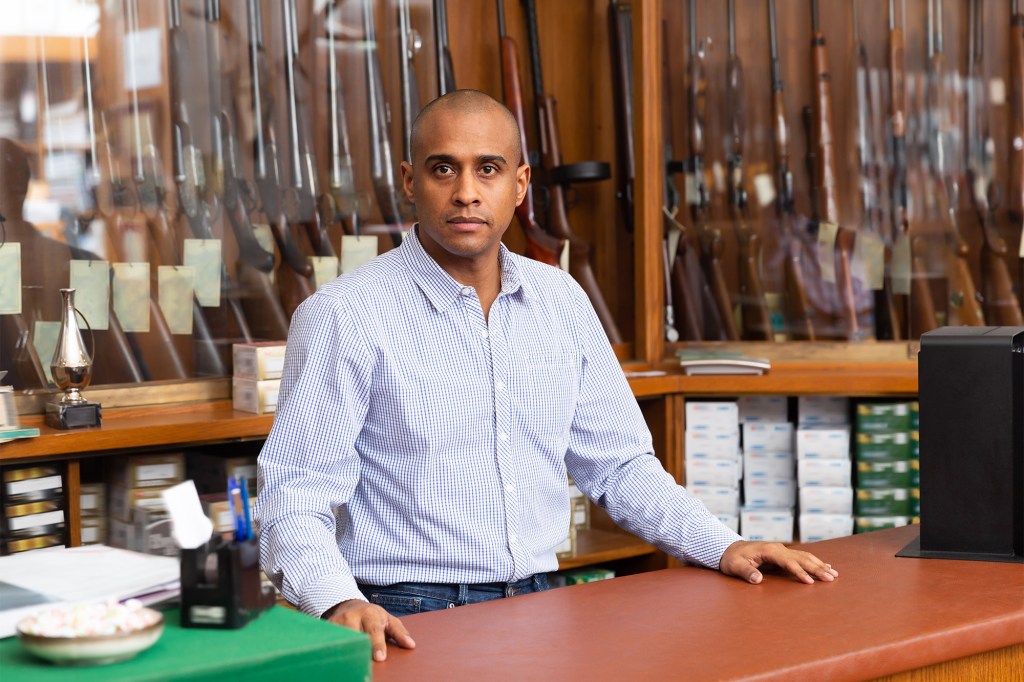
(558, 221)
(620, 28)
(822, 134)
(1002, 308)
(540, 245)
(1016, 146)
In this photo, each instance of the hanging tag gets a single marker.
(10, 279)
(690, 189)
(175, 289)
(563, 258)
(1022, 242)
(356, 250)
(91, 281)
(131, 296)
(869, 260)
(134, 240)
(44, 340)
(204, 255)
(997, 92)
(900, 266)
(764, 189)
(827, 251)
(325, 268)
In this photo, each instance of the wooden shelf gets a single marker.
(595, 546)
(141, 427)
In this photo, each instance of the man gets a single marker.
(432, 401)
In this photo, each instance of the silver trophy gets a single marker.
(71, 369)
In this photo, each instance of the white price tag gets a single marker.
(900, 266)
(175, 290)
(325, 269)
(764, 189)
(827, 251)
(10, 279)
(357, 250)
(204, 256)
(131, 296)
(91, 281)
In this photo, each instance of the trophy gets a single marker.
(71, 368)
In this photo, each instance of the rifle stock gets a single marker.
(1016, 146)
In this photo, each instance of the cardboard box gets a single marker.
(817, 410)
(823, 442)
(767, 525)
(883, 416)
(866, 524)
(712, 416)
(763, 408)
(93, 499)
(883, 502)
(258, 361)
(818, 527)
(713, 472)
(718, 499)
(771, 436)
(827, 500)
(259, 397)
(123, 501)
(147, 471)
(94, 530)
(826, 472)
(883, 446)
(765, 464)
(760, 493)
(712, 444)
(884, 475)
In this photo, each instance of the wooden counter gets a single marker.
(882, 617)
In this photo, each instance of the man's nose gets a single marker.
(467, 190)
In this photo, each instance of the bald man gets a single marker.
(433, 400)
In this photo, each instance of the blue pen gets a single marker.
(237, 510)
(244, 485)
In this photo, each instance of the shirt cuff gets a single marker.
(327, 592)
(714, 538)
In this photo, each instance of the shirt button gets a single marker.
(503, 436)
(484, 333)
(509, 487)
(500, 385)
(466, 291)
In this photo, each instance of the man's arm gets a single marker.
(611, 459)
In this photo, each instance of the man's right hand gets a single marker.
(362, 616)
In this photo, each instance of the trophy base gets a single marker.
(73, 416)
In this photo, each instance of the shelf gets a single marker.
(141, 427)
(872, 379)
(596, 546)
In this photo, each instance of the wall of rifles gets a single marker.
(923, 176)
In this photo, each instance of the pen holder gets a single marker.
(221, 586)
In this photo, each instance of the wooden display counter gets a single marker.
(884, 616)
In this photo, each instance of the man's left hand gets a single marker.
(743, 558)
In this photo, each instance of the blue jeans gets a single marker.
(405, 599)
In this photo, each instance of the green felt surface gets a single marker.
(282, 644)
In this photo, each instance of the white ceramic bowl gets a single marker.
(95, 649)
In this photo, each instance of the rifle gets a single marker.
(265, 163)
(301, 194)
(1016, 204)
(381, 165)
(963, 305)
(341, 203)
(259, 300)
(827, 199)
(797, 308)
(408, 45)
(1001, 304)
(540, 245)
(445, 69)
(620, 29)
(757, 320)
(681, 269)
(559, 176)
(717, 305)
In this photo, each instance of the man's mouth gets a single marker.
(463, 220)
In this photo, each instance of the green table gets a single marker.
(280, 644)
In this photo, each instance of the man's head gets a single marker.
(466, 176)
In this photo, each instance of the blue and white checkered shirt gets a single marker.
(416, 442)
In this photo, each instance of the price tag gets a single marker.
(44, 340)
(764, 189)
(204, 256)
(690, 189)
(10, 279)
(325, 268)
(827, 251)
(175, 290)
(357, 250)
(563, 259)
(869, 260)
(1022, 242)
(900, 266)
(91, 281)
(131, 296)
(997, 92)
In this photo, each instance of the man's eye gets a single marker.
(443, 169)
(489, 169)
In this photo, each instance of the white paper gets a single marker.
(10, 279)
(189, 525)
(827, 251)
(175, 291)
(204, 255)
(131, 296)
(91, 281)
(142, 64)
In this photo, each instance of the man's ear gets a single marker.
(522, 182)
(407, 181)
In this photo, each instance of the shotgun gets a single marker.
(1016, 190)
(719, 322)
(408, 46)
(754, 313)
(445, 69)
(540, 245)
(620, 30)
(797, 308)
(963, 306)
(559, 176)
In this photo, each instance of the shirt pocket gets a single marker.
(551, 389)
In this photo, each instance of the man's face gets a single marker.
(466, 184)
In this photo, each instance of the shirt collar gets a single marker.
(440, 287)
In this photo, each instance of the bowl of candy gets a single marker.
(91, 634)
